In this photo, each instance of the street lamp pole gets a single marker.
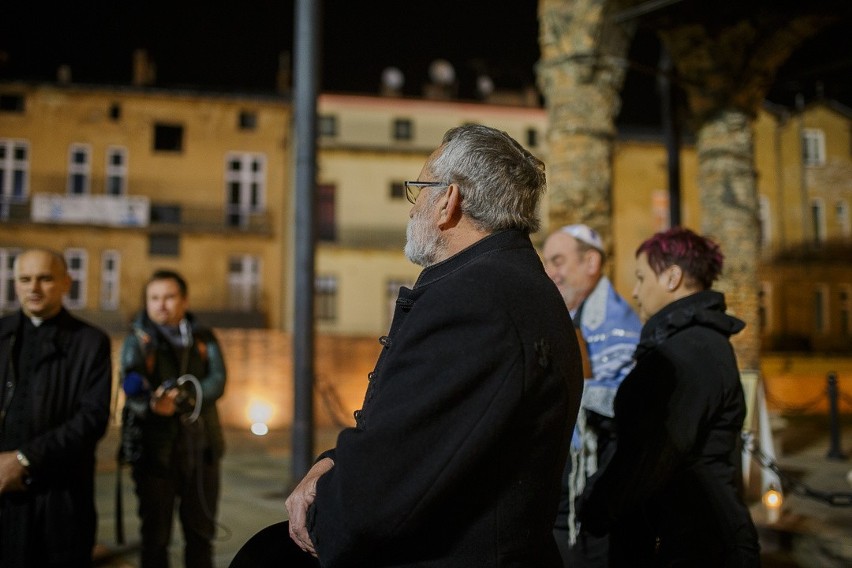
(306, 81)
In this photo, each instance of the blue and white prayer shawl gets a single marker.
(611, 330)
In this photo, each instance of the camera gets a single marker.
(185, 401)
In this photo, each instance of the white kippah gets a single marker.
(586, 234)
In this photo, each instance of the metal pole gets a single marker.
(306, 81)
(671, 134)
(834, 452)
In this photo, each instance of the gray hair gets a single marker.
(500, 181)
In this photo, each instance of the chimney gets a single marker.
(144, 70)
(63, 75)
(282, 76)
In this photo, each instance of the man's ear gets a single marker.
(451, 211)
(593, 261)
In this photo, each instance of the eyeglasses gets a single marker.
(413, 188)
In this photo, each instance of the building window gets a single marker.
(818, 219)
(77, 260)
(765, 218)
(116, 170)
(813, 147)
(245, 187)
(845, 314)
(8, 300)
(328, 126)
(79, 169)
(841, 215)
(168, 138)
(397, 190)
(243, 283)
(532, 137)
(163, 244)
(325, 298)
(11, 103)
(403, 129)
(247, 120)
(392, 293)
(110, 277)
(166, 214)
(14, 174)
(326, 221)
(115, 112)
(820, 308)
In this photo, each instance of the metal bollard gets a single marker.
(834, 452)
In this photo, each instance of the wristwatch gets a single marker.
(22, 459)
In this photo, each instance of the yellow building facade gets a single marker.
(127, 181)
(804, 169)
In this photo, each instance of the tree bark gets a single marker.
(726, 176)
(581, 73)
(726, 70)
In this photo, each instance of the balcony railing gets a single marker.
(361, 237)
(132, 212)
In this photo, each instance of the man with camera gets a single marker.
(172, 374)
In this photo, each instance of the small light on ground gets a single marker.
(772, 502)
(259, 429)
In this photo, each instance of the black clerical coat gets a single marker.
(67, 412)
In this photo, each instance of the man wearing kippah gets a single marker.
(574, 259)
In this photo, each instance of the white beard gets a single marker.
(424, 242)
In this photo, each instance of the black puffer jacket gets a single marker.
(670, 495)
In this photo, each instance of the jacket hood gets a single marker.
(705, 308)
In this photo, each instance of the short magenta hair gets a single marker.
(699, 257)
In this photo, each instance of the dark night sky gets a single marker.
(235, 45)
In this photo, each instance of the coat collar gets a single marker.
(493, 242)
(705, 308)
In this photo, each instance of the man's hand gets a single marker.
(300, 499)
(12, 473)
(163, 402)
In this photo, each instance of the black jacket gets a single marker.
(670, 492)
(69, 391)
(458, 451)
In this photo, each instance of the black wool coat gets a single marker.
(69, 392)
(458, 451)
(670, 496)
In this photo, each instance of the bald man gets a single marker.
(54, 406)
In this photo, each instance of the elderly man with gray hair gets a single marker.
(457, 454)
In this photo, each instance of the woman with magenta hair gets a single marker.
(671, 496)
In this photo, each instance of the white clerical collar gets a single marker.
(36, 321)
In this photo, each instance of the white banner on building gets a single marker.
(109, 210)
